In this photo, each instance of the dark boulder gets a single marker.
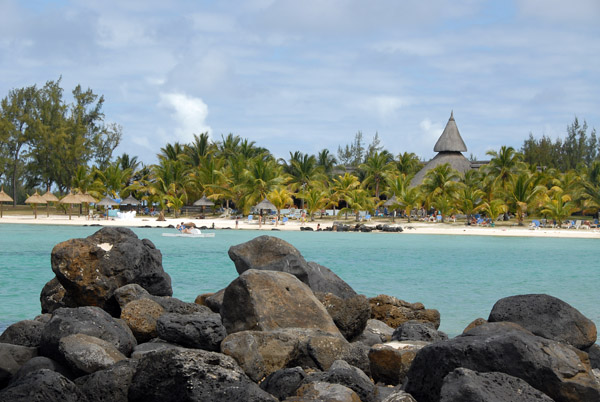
(12, 357)
(418, 331)
(273, 254)
(91, 321)
(54, 296)
(464, 385)
(559, 370)
(548, 317)
(324, 392)
(91, 269)
(215, 301)
(132, 292)
(198, 330)
(594, 354)
(87, 354)
(343, 373)
(109, 385)
(267, 300)
(24, 333)
(349, 315)
(43, 386)
(141, 316)
(398, 396)
(38, 363)
(154, 345)
(375, 332)
(283, 383)
(173, 375)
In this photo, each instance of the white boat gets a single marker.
(199, 234)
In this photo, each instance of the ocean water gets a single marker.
(461, 276)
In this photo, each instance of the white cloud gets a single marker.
(384, 106)
(189, 115)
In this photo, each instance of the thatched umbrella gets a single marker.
(71, 199)
(4, 197)
(49, 197)
(203, 202)
(390, 203)
(265, 204)
(87, 199)
(107, 202)
(130, 201)
(35, 199)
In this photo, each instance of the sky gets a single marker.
(307, 75)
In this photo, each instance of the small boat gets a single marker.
(196, 233)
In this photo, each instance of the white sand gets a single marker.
(219, 223)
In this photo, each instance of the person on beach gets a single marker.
(237, 222)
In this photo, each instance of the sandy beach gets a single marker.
(457, 228)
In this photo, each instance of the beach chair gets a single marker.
(284, 220)
(367, 217)
(534, 225)
(250, 217)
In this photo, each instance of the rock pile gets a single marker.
(284, 330)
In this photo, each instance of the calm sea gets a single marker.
(461, 276)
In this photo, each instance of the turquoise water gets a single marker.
(461, 276)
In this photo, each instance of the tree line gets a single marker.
(47, 142)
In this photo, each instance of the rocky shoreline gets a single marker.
(285, 330)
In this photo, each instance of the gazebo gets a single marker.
(4, 198)
(449, 147)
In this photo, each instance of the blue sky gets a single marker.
(307, 75)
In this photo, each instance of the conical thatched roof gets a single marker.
(456, 160)
(265, 204)
(391, 201)
(4, 196)
(48, 196)
(35, 199)
(85, 197)
(107, 201)
(71, 199)
(130, 201)
(450, 140)
(204, 202)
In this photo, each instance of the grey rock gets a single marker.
(349, 315)
(109, 385)
(375, 332)
(283, 383)
(215, 301)
(273, 254)
(154, 345)
(38, 363)
(546, 316)
(88, 354)
(324, 392)
(343, 373)
(12, 357)
(559, 370)
(389, 362)
(54, 296)
(198, 330)
(594, 354)
(418, 331)
(43, 386)
(89, 320)
(173, 375)
(399, 396)
(24, 333)
(464, 385)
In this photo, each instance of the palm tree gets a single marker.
(261, 177)
(357, 200)
(303, 171)
(522, 194)
(494, 208)
(326, 162)
(445, 204)
(591, 187)
(468, 200)
(316, 200)
(559, 206)
(410, 199)
(408, 163)
(281, 198)
(113, 179)
(198, 150)
(503, 165)
(377, 168)
(441, 180)
(341, 187)
(171, 152)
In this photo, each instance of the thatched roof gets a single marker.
(204, 202)
(456, 160)
(4, 196)
(450, 140)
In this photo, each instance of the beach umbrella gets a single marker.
(203, 202)
(49, 197)
(130, 201)
(265, 204)
(71, 199)
(87, 199)
(107, 202)
(4, 197)
(35, 199)
(391, 202)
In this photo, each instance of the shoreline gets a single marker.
(243, 224)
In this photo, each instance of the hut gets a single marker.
(449, 147)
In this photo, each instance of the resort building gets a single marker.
(449, 147)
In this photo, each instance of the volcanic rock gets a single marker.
(198, 330)
(548, 317)
(418, 331)
(109, 385)
(390, 361)
(349, 315)
(464, 385)
(324, 392)
(91, 269)
(559, 370)
(283, 383)
(88, 354)
(394, 311)
(12, 357)
(43, 386)
(375, 332)
(141, 316)
(268, 300)
(343, 373)
(173, 375)
(24, 333)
